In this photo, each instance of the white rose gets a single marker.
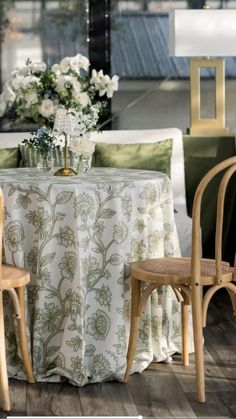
(46, 109)
(38, 67)
(65, 64)
(83, 99)
(81, 145)
(8, 94)
(31, 99)
(3, 105)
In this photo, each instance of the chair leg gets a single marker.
(133, 326)
(4, 386)
(185, 333)
(198, 341)
(23, 339)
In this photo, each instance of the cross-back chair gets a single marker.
(187, 276)
(13, 280)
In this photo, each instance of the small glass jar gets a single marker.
(84, 163)
(45, 163)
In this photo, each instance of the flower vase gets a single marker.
(84, 163)
(45, 162)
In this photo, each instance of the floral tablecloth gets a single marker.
(78, 236)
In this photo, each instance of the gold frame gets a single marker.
(210, 126)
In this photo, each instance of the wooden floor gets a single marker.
(162, 391)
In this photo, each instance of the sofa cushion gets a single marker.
(9, 157)
(153, 136)
(147, 156)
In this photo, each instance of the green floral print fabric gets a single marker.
(78, 237)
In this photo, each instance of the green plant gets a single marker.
(41, 140)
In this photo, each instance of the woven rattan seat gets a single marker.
(12, 280)
(181, 267)
(187, 276)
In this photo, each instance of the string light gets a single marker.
(107, 31)
(87, 20)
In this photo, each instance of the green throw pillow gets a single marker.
(9, 157)
(145, 156)
(31, 156)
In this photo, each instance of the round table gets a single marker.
(77, 236)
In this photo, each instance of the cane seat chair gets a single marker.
(13, 280)
(187, 276)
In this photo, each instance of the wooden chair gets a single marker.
(187, 276)
(13, 280)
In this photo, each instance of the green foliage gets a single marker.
(42, 140)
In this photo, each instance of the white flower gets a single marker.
(83, 99)
(23, 82)
(31, 98)
(76, 87)
(20, 71)
(38, 67)
(62, 82)
(96, 77)
(65, 64)
(78, 62)
(3, 105)
(108, 86)
(56, 68)
(47, 108)
(18, 82)
(112, 86)
(8, 94)
(82, 145)
(29, 80)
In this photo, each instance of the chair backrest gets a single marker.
(229, 166)
(1, 222)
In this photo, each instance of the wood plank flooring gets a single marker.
(162, 391)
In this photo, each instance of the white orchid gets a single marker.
(65, 64)
(103, 83)
(96, 78)
(79, 62)
(56, 68)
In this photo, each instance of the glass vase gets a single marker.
(45, 163)
(84, 163)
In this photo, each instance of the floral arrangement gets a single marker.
(34, 92)
(43, 140)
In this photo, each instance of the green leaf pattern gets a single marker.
(78, 237)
